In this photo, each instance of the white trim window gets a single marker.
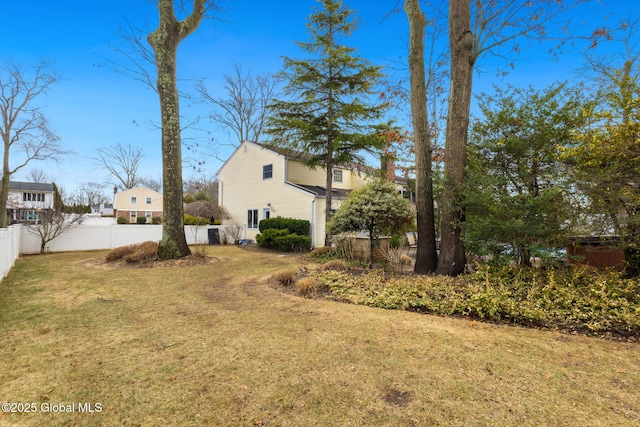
(148, 200)
(337, 175)
(266, 213)
(134, 200)
(267, 171)
(252, 219)
(133, 215)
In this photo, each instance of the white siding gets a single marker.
(242, 187)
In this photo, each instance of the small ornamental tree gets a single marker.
(50, 224)
(377, 208)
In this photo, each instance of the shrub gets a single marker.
(406, 260)
(194, 220)
(122, 220)
(307, 286)
(571, 299)
(141, 220)
(321, 251)
(146, 251)
(301, 227)
(286, 277)
(267, 239)
(156, 220)
(336, 264)
(293, 243)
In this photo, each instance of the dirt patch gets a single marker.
(397, 398)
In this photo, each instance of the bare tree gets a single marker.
(37, 175)
(201, 187)
(165, 40)
(91, 193)
(152, 183)
(23, 127)
(242, 110)
(206, 209)
(122, 162)
(50, 224)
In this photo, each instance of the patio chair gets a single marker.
(412, 242)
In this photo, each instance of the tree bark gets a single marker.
(452, 259)
(426, 255)
(165, 40)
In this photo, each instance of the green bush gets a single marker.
(267, 239)
(293, 243)
(141, 220)
(572, 299)
(194, 220)
(122, 220)
(156, 220)
(301, 227)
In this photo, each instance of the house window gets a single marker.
(337, 175)
(134, 200)
(148, 214)
(252, 219)
(267, 171)
(148, 200)
(133, 215)
(266, 213)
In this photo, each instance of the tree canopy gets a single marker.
(518, 190)
(327, 114)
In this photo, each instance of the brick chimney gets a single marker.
(388, 168)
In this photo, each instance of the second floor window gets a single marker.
(134, 199)
(267, 171)
(148, 200)
(337, 175)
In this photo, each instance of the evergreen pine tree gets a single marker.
(328, 114)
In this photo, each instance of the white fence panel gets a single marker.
(85, 237)
(9, 248)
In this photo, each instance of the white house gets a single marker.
(25, 199)
(257, 182)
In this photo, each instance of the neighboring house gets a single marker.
(102, 209)
(257, 182)
(27, 198)
(136, 203)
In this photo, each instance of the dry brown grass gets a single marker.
(307, 286)
(215, 345)
(286, 277)
(141, 253)
(334, 264)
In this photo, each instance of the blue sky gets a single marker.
(96, 107)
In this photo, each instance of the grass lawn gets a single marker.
(217, 345)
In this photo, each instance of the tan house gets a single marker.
(138, 202)
(257, 182)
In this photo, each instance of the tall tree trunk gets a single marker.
(165, 40)
(329, 198)
(452, 259)
(426, 255)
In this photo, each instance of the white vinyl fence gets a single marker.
(16, 239)
(9, 248)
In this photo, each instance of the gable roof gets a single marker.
(30, 186)
(290, 154)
